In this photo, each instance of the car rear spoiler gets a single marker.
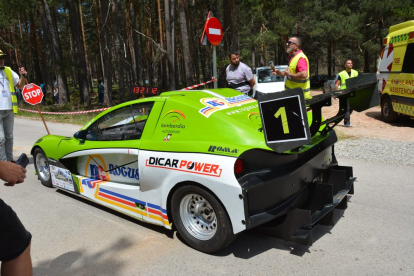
(284, 114)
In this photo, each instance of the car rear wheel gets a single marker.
(200, 219)
(387, 113)
(42, 167)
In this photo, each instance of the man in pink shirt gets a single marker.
(297, 73)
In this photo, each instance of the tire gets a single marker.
(42, 167)
(387, 113)
(200, 219)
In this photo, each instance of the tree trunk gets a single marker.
(98, 33)
(173, 45)
(119, 57)
(79, 53)
(56, 53)
(329, 60)
(36, 62)
(88, 67)
(47, 62)
(170, 49)
(134, 46)
(107, 52)
(185, 42)
(195, 43)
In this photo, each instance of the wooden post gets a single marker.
(44, 122)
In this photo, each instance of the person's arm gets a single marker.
(301, 70)
(23, 80)
(298, 76)
(277, 72)
(12, 173)
(337, 83)
(248, 74)
(252, 82)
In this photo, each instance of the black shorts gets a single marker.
(14, 238)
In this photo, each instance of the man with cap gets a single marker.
(8, 106)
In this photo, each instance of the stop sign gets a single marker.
(214, 31)
(32, 94)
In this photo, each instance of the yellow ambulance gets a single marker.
(395, 72)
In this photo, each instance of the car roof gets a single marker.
(276, 66)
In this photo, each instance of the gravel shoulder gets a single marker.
(369, 138)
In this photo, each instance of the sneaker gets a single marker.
(348, 124)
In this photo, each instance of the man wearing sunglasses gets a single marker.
(297, 74)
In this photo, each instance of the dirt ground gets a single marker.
(369, 124)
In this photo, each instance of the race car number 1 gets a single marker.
(284, 119)
(285, 124)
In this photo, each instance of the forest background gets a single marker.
(156, 43)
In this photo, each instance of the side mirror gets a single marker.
(80, 135)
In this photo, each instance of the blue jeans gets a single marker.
(6, 135)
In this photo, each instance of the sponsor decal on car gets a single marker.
(172, 121)
(225, 150)
(184, 166)
(216, 104)
(97, 168)
(144, 209)
(61, 178)
(167, 138)
(255, 118)
(243, 109)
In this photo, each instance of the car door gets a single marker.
(109, 150)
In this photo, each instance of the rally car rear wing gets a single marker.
(285, 118)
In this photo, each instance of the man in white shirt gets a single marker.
(239, 76)
(8, 106)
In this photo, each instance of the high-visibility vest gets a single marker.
(304, 84)
(9, 76)
(344, 76)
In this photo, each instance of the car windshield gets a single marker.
(265, 75)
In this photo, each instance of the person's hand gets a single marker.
(22, 72)
(12, 173)
(276, 72)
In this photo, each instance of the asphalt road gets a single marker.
(374, 236)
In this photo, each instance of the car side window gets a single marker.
(408, 66)
(126, 123)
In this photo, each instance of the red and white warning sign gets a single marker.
(32, 94)
(213, 32)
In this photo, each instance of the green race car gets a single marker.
(210, 162)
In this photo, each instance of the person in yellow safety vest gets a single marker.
(297, 73)
(8, 106)
(343, 76)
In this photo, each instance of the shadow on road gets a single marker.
(159, 229)
(248, 244)
(252, 242)
(402, 121)
(80, 263)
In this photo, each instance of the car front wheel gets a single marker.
(42, 167)
(200, 219)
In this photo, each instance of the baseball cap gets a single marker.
(2, 54)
